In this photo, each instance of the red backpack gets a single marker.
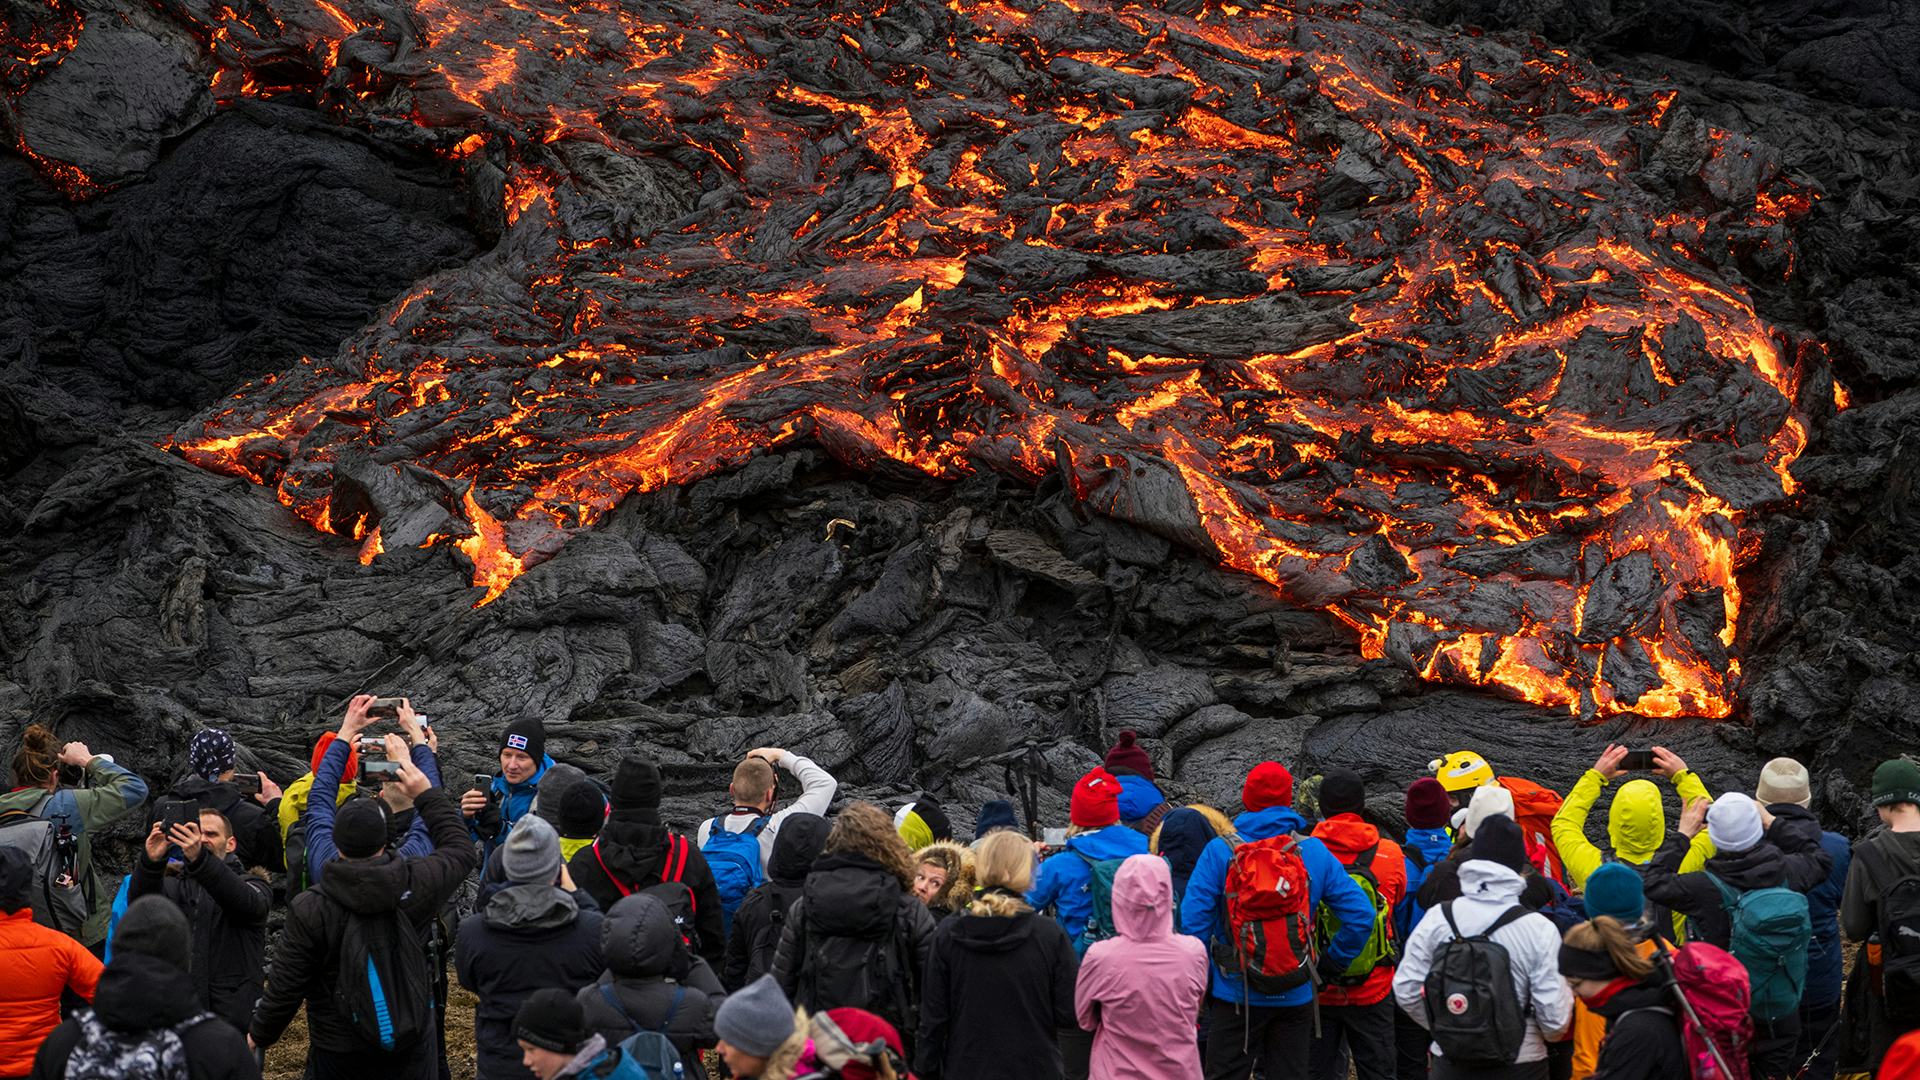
(1714, 987)
(1269, 916)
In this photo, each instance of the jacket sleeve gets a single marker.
(817, 786)
(920, 934)
(792, 948)
(1338, 891)
(436, 877)
(1665, 884)
(463, 955)
(706, 902)
(114, 793)
(1088, 985)
(296, 957)
(417, 841)
(1569, 829)
(930, 1049)
(83, 970)
(1552, 997)
(146, 878)
(1807, 868)
(50, 1061)
(322, 804)
(1689, 787)
(1200, 907)
(246, 899)
(1858, 918)
(1066, 974)
(1046, 884)
(424, 760)
(1416, 959)
(700, 980)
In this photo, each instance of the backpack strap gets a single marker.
(613, 999)
(673, 1007)
(674, 866)
(1729, 896)
(608, 870)
(756, 826)
(1512, 914)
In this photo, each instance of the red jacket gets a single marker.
(40, 964)
(1347, 836)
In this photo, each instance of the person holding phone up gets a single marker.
(193, 864)
(1637, 818)
(406, 833)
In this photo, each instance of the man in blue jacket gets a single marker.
(491, 814)
(406, 831)
(1787, 794)
(1271, 1030)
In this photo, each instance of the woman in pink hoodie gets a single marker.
(1139, 993)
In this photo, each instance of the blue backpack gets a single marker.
(1771, 935)
(734, 858)
(647, 1054)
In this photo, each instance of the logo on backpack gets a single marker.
(1484, 1022)
(1270, 930)
(1383, 944)
(384, 989)
(734, 858)
(1771, 935)
(56, 895)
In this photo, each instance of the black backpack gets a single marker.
(874, 974)
(384, 990)
(1899, 909)
(766, 937)
(1472, 1008)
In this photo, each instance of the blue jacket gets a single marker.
(513, 801)
(1796, 829)
(1203, 912)
(1433, 845)
(321, 808)
(1065, 881)
(1138, 797)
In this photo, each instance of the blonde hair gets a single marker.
(865, 829)
(1004, 860)
(38, 760)
(1221, 824)
(752, 779)
(1605, 934)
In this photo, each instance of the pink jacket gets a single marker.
(1140, 993)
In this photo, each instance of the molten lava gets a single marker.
(1446, 334)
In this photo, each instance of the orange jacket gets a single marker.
(1590, 1029)
(1347, 836)
(40, 964)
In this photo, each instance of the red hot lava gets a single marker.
(1446, 334)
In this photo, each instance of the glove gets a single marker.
(1327, 969)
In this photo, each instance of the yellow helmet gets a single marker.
(1462, 770)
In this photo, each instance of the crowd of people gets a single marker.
(1468, 925)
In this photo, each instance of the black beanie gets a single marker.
(551, 1020)
(360, 828)
(1342, 792)
(1499, 840)
(16, 879)
(154, 926)
(582, 810)
(936, 818)
(636, 790)
(528, 735)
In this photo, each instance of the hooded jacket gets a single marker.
(1348, 837)
(1795, 829)
(647, 964)
(1139, 797)
(762, 914)
(1203, 913)
(41, 962)
(111, 794)
(1062, 884)
(1488, 890)
(848, 895)
(1184, 834)
(1140, 992)
(1636, 824)
(997, 991)
(1643, 1035)
(140, 993)
(307, 955)
(1695, 896)
(528, 937)
(1424, 849)
(630, 855)
(226, 909)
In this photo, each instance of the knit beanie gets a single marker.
(1127, 757)
(1342, 792)
(931, 814)
(995, 814)
(1268, 784)
(210, 753)
(1096, 800)
(16, 879)
(756, 1019)
(636, 790)
(1896, 781)
(1784, 780)
(582, 811)
(852, 1041)
(154, 926)
(1498, 840)
(360, 828)
(1733, 823)
(1490, 801)
(531, 855)
(324, 744)
(1427, 804)
(552, 1019)
(1615, 889)
(527, 735)
(912, 829)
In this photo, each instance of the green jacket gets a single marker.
(112, 793)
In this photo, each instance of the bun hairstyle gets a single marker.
(38, 759)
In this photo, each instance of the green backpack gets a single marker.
(1771, 935)
(1382, 947)
(1100, 885)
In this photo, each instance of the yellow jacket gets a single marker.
(1636, 824)
(293, 801)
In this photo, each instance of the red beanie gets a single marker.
(1125, 755)
(353, 757)
(1903, 1059)
(1269, 784)
(1096, 800)
(1428, 805)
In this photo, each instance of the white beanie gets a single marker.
(1733, 823)
(1489, 801)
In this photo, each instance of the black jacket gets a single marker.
(646, 964)
(307, 954)
(1694, 895)
(762, 915)
(140, 993)
(226, 908)
(527, 937)
(849, 896)
(256, 828)
(635, 853)
(1643, 1036)
(997, 990)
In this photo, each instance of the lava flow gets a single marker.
(1447, 334)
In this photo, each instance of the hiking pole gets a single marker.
(1666, 960)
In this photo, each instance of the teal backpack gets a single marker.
(1100, 885)
(1771, 934)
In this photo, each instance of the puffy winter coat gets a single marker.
(1203, 913)
(139, 993)
(998, 989)
(111, 794)
(1063, 884)
(528, 937)
(1348, 837)
(226, 909)
(1695, 896)
(1636, 824)
(1140, 992)
(647, 966)
(762, 915)
(1796, 830)
(1643, 1035)
(630, 855)
(850, 900)
(1488, 890)
(40, 963)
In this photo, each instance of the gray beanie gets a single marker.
(531, 855)
(757, 1019)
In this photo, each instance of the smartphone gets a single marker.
(246, 783)
(482, 781)
(1053, 837)
(372, 745)
(385, 708)
(378, 771)
(172, 812)
(1637, 761)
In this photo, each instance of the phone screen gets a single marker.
(1637, 760)
(246, 783)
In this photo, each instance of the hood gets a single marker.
(1646, 994)
(1488, 881)
(641, 941)
(365, 887)
(1273, 821)
(1143, 899)
(992, 933)
(957, 860)
(22, 798)
(633, 849)
(531, 907)
(1138, 796)
(850, 895)
(795, 846)
(139, 993)
(1433, 843)
(1759, 867)
(1637, 822)
(1184, 834)
(1346, 835)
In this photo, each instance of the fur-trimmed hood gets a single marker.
(958, 862)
